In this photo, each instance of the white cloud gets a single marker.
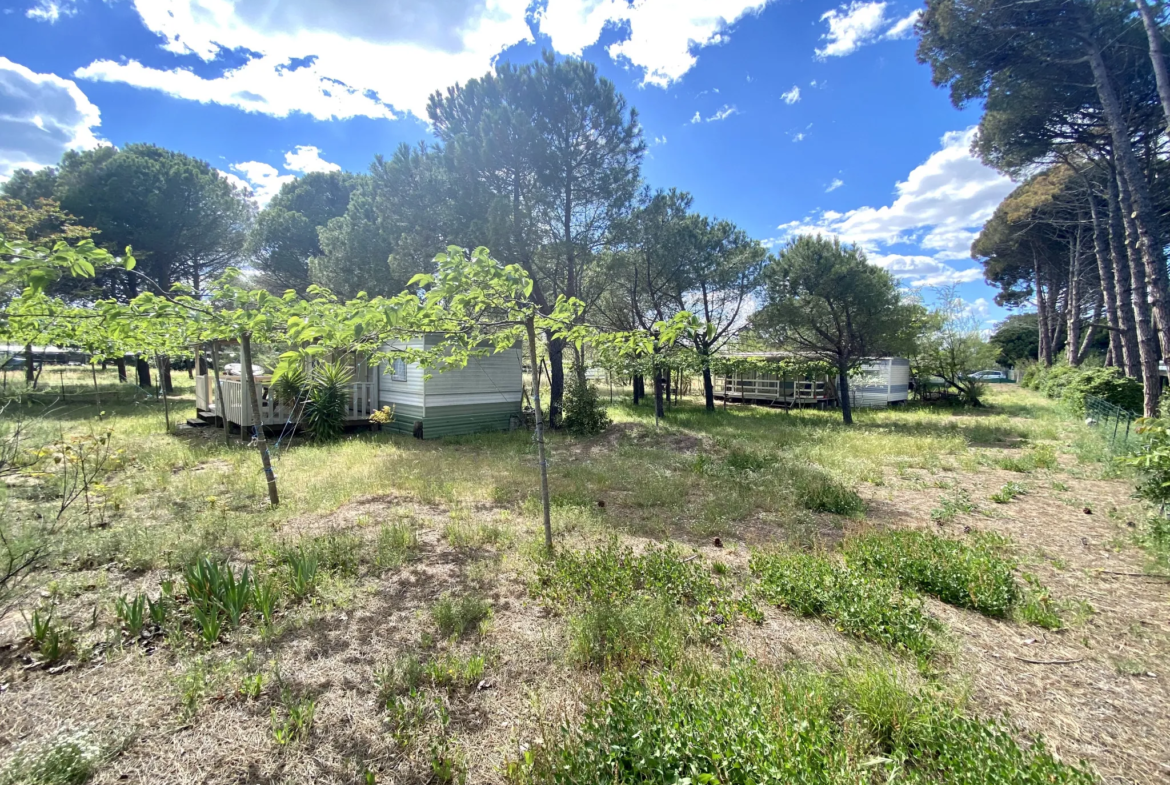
(904, 27)
(349, 58)
(723, 114)
(859, 23)
(662, 34)
(264, 180)
(658, 140)
(50, 11)
(698, 118)
(41, 116)
(792, 96)
(833, 186)
(798, 136)
(939, 208)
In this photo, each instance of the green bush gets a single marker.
(859, 603)
(328, 400)
(1059, 376)
(649, 630)
(1151, 458)
(749, 724)
(972, 574)
(816, 490)
(1108, 383)
(584, 413)
(66, 759)
(1031, 374)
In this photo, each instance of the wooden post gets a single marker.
(219, 410)
(544, 500)
(162, 386)
(97, 396)
(250, 390)
(61, 382)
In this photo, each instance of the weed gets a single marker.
(745, 724)
(859, 603)
(1042, 456)
(400, 677)
(234, 595)
(950, 506)
(209, 622)
(158, 609)
(461, 534)
(971, 574)
(454, 616)
(265, 597)
(1008, 492)
(302, 572)
(396, 543)
(816, 490)
(1037, 607)
(447, 765)
(131, 613)
(642, 630)
(452, 670)
(69, 758)
(337, 552)
(251, 685)
(297, 722)
(54, 643)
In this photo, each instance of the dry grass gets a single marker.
(471, 503)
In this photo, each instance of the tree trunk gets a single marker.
(1090, 331)
(250, 394)
(1045, 350)
(1108, 289)
(843, 391)
(639, 383)
(659, 386)
(1130, 355)
(1073, 309)
(544, 497)
(121, 365)
(669, 386)
(1143, 213)
(708, 385)
(30, 376)
(163, 364)
(1143, 321)
(158, 362)
(1154, 36)
(143, 369)
(220, 409)
(556, 380)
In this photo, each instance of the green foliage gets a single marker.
(131, 613)
(329, 396)
(612, 575)
(1109, 383)
(53, 641)
(1151, 457)
(746, 724)
(1056, 378)
(643, 630)
(817, 490)
(295, 723)
(302, 572)
(69, 758)
(968, 574)
(265, 597)
(584, 413)
(856, 602)
(396, 543)
(454, 616)
(951, 506)
(213, 589)
(1041, 456)
(1038, 607)
(289, 384)
(953, 346)
(1008, 492)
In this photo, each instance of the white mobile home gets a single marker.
(880, 382)
(484, 395)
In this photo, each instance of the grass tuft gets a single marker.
(455, 616)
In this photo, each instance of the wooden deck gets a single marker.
(272, 413)
(774, 392)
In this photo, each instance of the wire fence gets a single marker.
(1113, 423)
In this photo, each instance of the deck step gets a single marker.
(196, 422)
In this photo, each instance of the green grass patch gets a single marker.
(1041, 456)
(745, 724)
(643, 630)
(951, 506)
(456, 616)
(1009, 491)
(856, 602)
(973, 573)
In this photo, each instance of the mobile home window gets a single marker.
(398, 371)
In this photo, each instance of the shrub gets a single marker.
(1031, 374)
(1059, 376)
(1108, 383)
(748, 724)
(584, 413)
(66, 759)
(859, 603)
(816, 490)
(970, 574)
(1151, 458)
(328, 400)
(289, 384)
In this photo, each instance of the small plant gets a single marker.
(68, 758)
(446, 765)
(251, 685)
(816, 490)
(158, 609)
(645, 630)
(1008, 492)
(1042, 456)
(972, 574)
(131, 613)
(338, 552)
(265, 597)
(400, 677)
(53, 643)
(950, 506)
(302, 573)
(1151, 458)
(297, 722)
(208, 620)
(234, 595)
(456, 616)
(451, 670)
(1037, 607)
(396, 543)
(328, 400)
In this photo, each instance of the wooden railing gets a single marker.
(360, 405)
(777, 390)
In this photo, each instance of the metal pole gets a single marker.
(544, 498)
(250, 384)
(162, 386)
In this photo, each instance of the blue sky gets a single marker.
(782, 116)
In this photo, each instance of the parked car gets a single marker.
(12, 363)
(990, 376)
